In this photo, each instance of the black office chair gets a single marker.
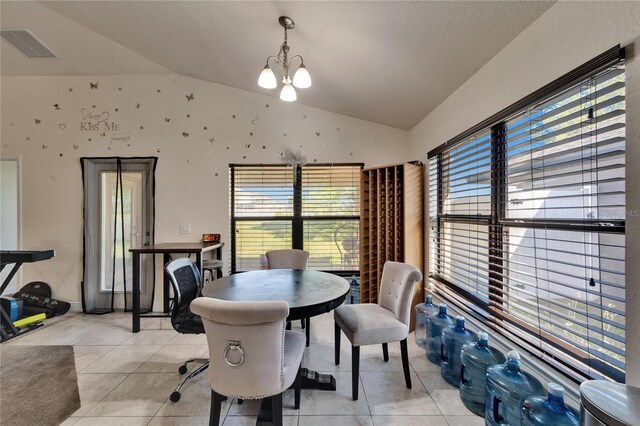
(185, 280)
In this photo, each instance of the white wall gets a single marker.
(192, 171)
(567, 35)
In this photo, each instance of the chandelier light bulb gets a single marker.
(301, 78)
(288, 93)
(267, 78)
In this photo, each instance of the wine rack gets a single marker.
(391, 224)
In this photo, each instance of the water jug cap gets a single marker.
(443, 305)
(429, 298)
(513, 355)
(482, 335)
(460, 318)
(555, 390)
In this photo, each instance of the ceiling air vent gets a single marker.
(27, 43)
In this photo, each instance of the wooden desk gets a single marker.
(166, 249)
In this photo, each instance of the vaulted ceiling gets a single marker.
(390, 62)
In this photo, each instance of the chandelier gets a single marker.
(301, 78)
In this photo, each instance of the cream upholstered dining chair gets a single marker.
(287, 259)
(382, 322)
(253, 355)
(290, 259)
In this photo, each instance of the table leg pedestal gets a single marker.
(310, 380)
(314, 380)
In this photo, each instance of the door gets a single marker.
(9, 213)
(118, 215)
(118, 224)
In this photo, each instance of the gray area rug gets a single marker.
(38, 385)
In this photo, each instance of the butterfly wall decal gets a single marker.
(93, 85)
(57, 107)
(189, 97)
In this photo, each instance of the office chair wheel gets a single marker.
(182, 369)
(175, 396)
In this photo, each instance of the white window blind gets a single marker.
(261, 212)
(527, 224)
(331, 216)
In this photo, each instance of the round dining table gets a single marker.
(308, 293)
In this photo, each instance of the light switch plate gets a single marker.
(185, 228)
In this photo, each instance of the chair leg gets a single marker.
(337, 343)
(302, 322)
(276, 409)
(308, 330)
(297, 385)
(175, 395)
(405, 362)
(355, 371)
(216, 408)
(288, 326)
(385, 352)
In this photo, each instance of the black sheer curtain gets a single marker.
(106, 225)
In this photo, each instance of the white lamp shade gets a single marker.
(301, 78)
(267, 78)
(288, 93)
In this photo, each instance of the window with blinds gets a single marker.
(527, 219)
(261, 213)
(313, 207)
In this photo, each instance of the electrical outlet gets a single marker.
(185, 228)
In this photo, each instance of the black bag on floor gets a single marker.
(37, 299)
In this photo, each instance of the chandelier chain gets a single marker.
(282, 54)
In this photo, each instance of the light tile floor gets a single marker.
(126, 379)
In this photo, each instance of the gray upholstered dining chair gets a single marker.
(253, 355)
(287, 259)
(290, 259)
(382, 322)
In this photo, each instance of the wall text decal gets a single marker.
(92, 121)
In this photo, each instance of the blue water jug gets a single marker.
(453, 338)
(422, 311)
(507, 387)
(549, 411)
(475, 358)
(435, 324)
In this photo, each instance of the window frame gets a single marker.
(489, 312)
(297, 219)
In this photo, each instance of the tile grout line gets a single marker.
(95, 360)
(365, 397)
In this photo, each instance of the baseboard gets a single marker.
(76, 307)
